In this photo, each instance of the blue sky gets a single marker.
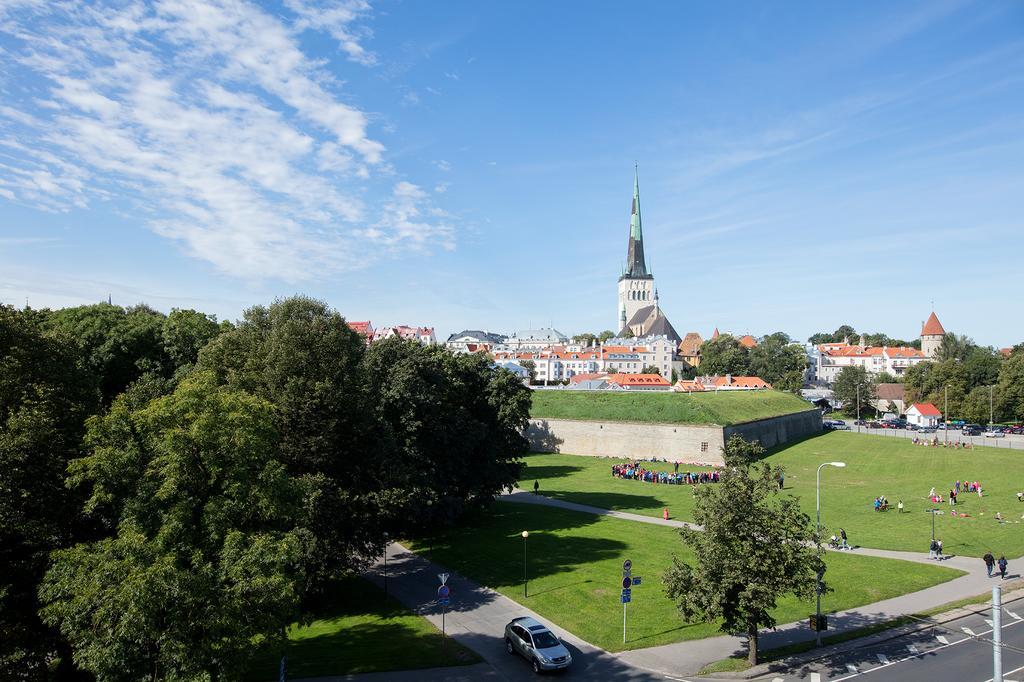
(467, 164)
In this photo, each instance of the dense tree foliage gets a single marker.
(775, 360)
(847, 333)
(45, 397)
(207, 556)
(226, 473)
(755, 548)
(854, 386)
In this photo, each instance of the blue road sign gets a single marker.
(444, 592)
(627, 565)
(444, 601)
(625, 600)
(626, 582)
(636, 580)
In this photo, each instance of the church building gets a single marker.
(638, 311)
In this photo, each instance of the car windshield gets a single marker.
(544, 640)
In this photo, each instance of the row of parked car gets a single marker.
(964, 428)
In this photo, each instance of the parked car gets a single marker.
(995, 434)
(875, 425)
(537, 644)
(926, 429)
(859, 422)
(971, 430)
(912, 427)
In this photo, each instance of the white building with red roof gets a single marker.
(931, 336)
(833, 357)
(720, 383)
(924, 414)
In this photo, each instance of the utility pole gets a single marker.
(945, 414)
(997, 634)
(990, 419)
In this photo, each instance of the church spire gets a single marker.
(635, 264)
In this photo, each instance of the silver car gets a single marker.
(537, 644)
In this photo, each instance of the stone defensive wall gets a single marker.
(690, 443)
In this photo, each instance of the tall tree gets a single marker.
(605, 335)
(45, 397)
(854, 386)
(184, 333)
(933, 382)
(303, 358)
(778, 362)
(723, 355)
(1011, 386)
(207, 559)
(953, 347)
(447, 432)
(755, 548)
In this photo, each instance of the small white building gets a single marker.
(924, 414)
(534, 339)
(472, 341)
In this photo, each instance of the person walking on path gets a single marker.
(1002, 567)
(938, 549)
(933, 550)
(842, 535)
(989, 562)
(536, 487)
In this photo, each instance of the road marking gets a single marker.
(970, 632)
(1014, 615)
(882, 658)
(851, 667)
(990, 623)
(942, 639)
(777, 679)
(815, 677)
(911, 648)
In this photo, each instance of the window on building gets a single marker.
(704, 446)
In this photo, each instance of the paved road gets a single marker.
(1012, 441)
(958, 650)
(477, 619)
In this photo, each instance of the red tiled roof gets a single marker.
(927, 409)
(890, 391)
(715, 334)
(747, 341)
(577, 378)
(690, 345)
(932, 327)
(364, 328)
(637, 379)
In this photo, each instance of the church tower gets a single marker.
(931, 336)
(636, 285)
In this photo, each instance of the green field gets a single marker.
(574, 563)
(723, 408)
(876, 465)
(359, 630)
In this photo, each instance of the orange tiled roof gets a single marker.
(637, 379)
(932, 327)
(747, 341)
(927, 410)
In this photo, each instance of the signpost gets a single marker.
(628, 581)
(283, 674)
(444, 597)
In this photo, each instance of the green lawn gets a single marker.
(359, 630)
(723, 408)
(876, 465)
(575, 566)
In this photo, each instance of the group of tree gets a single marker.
(775, 359)
(590, 339)
(847, 334)
(175, 492)
(970, 382)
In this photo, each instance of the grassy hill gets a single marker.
(722, 408)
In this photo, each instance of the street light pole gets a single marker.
(990, 419)
(817, 505)
(526, 534)
(945, 413)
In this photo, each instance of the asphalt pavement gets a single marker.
(959, 649)
(1011, 441)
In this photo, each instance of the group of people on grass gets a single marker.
(956, 489)
(636, 472)
(935, 442)
(882, 504)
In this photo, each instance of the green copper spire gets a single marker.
(635, 265)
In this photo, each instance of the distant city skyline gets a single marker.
(459, 165)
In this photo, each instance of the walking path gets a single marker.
(479, 614)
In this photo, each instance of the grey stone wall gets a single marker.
(778, 430)
(685, 443)
(693, 444)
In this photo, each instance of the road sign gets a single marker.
(443, 577)
(625, 600)
(636, 580)
(444, 592)
(627, 565)
(626, 582)
(444, 601)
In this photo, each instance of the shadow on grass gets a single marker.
(548, 471)
(608, 501)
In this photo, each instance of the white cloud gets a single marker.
(441, 187)
(442, 165)
(208, 116)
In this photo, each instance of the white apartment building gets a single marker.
(534, 339)
(833, 357)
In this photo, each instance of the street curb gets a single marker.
(774, 667)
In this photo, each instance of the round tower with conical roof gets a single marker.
(931, 336)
